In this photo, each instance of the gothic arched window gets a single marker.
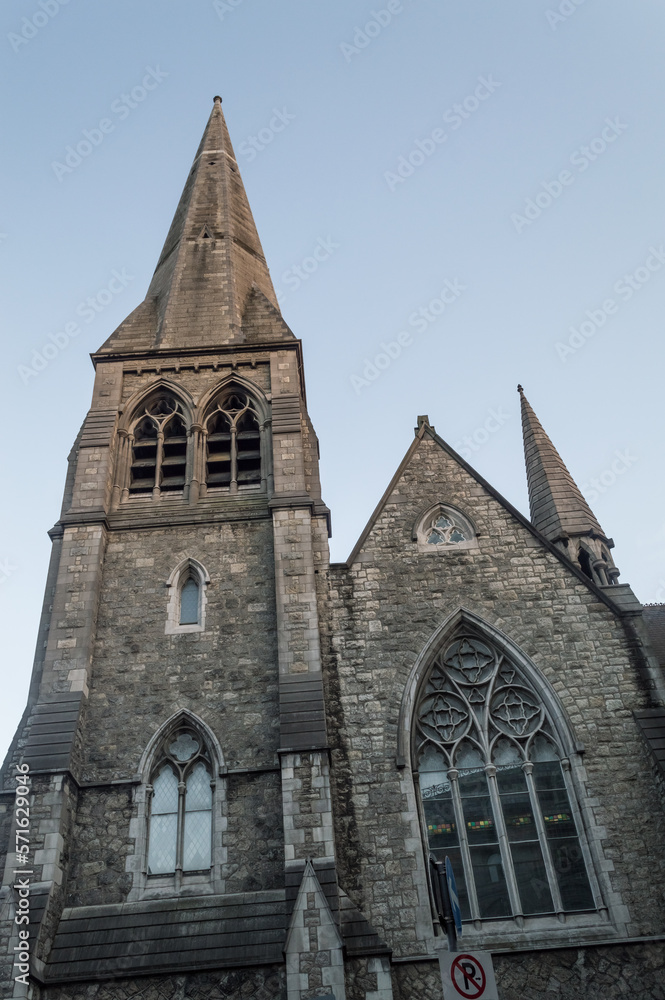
(495, 787)
(233, 445)
(443, 528)
(159, 447)
(180, 817)
(189, 602)
(187, 598)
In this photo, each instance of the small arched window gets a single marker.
(180, 817)
(159, 447)
(189, 602)
(495, 788)
(187, 598)
(233, 443)
(443, 528)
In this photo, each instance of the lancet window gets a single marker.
(187, 599)
(495, 787)
(180, 806)
(233, 456)
(159, 448)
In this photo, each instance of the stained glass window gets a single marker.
(447, 529)
(494, 790)
(180, 826)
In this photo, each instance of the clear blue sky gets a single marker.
(531, 205)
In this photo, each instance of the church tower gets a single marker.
(237, 758)
(175, 735)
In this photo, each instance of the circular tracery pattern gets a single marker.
(444, 717)
(469, 661)
(515, 711)
(473, 689)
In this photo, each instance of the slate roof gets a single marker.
(51, 731)
(211, 279)
(158, 936)
(194, 932)
(557, 507)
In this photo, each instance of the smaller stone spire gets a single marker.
(558, 509)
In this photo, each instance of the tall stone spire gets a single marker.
(211, 286)
(558, 509)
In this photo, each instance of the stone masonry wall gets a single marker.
(387, 605)
(267, 983)
(601, 973)
(226, 675)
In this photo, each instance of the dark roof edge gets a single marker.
(524, 521)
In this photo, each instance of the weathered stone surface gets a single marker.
(603, 973)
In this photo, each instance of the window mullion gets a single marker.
(182, 790)
(464, 845)
(156, 492)
(504, 846)
(542, 836)
(234, 459)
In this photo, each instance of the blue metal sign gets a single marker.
(454, 898)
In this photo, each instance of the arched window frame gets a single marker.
(425, 527)
(188, 569)
(132, 415)
(492, 932)
(257, 405)
(178, 882)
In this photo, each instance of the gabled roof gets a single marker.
(558, 509)
(212, 269)
(425, 430)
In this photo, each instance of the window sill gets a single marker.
(538, 933)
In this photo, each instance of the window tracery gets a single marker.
(233, 449)
(159, 447)
(180, 815)
(495, 787)
(442, 528)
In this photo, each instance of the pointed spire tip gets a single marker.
(217, 100)
(520, 389)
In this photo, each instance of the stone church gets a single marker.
(237, 757)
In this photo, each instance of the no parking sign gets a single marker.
(467, 975)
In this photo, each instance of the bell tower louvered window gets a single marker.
(159, 449)
(495, 788)
(233, 457)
